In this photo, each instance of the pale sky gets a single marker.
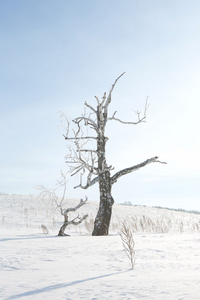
(57, 54)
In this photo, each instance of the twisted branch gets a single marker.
(125, 171)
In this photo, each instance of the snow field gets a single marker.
(34, 265)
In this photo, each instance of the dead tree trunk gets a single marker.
(95, 163)
(102, 221)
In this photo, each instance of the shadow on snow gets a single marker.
(24, 237)
(59, 286)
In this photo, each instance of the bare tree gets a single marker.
(60, 204)
(76, 221)
(91, 160)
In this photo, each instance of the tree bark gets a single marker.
(102, 221)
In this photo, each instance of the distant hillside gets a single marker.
(28, 212)
(128, 203)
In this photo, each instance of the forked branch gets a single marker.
(76, 221)
(81, 203)
(140, 119)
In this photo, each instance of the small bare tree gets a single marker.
(75, 221)
(91, 160)
(60, 204)
(128, 242)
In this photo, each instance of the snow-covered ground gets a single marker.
(34, 265)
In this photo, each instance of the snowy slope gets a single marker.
(30, 212)
(34, 265)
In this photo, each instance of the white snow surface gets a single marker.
(34, 265)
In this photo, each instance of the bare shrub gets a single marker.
(89, 224)
(44, 229)
(128, 242)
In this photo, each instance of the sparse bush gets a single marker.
(44, 229)
(128, 242)
(89, 224)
